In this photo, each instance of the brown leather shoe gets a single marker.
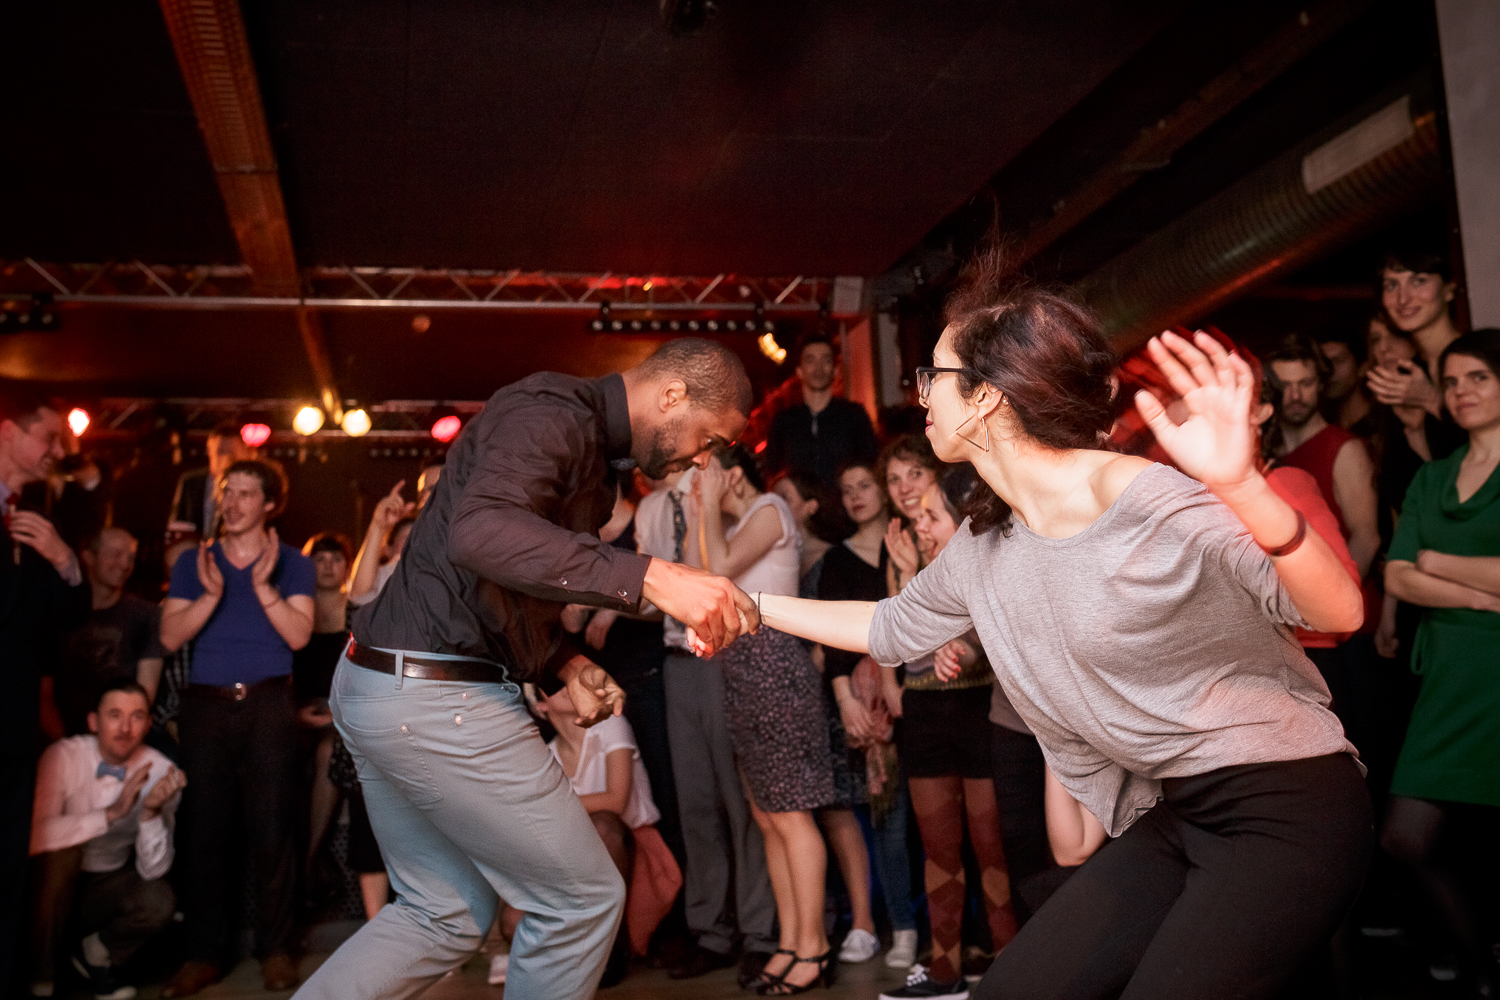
(278, 972)
(191, 978)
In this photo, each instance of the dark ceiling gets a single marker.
(815, 137)
(788, 137)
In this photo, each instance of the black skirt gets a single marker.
(945, 733)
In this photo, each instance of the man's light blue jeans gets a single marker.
(468, 803)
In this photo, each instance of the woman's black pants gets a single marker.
(1223, 890)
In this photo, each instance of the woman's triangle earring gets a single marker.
(986, 446)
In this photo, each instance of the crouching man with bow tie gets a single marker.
(101, 838)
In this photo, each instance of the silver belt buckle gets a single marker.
(241, 692)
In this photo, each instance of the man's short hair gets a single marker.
(22, 406)
(225, 429)
(809, 339)
(1298, 347)
(714, 375)
(273, 484)
(127, 684)
(93, 541)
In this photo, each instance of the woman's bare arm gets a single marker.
(1072, 830)
(619, 776)
(1478, 572)
(1410, 584)
(840, 624)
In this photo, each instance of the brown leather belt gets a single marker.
(414, 665)
(237, 692)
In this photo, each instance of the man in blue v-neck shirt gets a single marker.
(246, 602)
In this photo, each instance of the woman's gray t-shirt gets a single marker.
(1156, 643)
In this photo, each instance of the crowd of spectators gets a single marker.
(779, 799)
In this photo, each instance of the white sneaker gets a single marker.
(859, 946)
(499, 966)
(903, 950)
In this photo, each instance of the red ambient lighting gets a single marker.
(255, 435)
(445, 429)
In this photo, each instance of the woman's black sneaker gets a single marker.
(921, 986)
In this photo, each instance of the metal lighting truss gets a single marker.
(395, 420)
(217, 286)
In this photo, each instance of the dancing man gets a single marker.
(464, 797)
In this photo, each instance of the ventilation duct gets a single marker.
(1342, 183)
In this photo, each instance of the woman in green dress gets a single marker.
(1445, 557)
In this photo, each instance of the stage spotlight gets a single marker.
(356, 423)
(635, 324)
(602, 321)
(78, 421)
(770, 348)
(713, 325)
(693, 325)
(43, 314)
(674, 326)
(255, 435)
(732, 326)
(446, 428)
(308, 420)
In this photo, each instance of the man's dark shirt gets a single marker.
(839, 433)
(512, 532)
(35, 605)
(108, 647)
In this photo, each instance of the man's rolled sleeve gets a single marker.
(153, 844)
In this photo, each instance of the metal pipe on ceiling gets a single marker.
(1316, 196)
(1156, 145)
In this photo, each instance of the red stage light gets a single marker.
(445, 429)
(78, 421)
(255, 435)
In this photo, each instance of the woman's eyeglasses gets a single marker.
(925, 375)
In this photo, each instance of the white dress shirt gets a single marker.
(592, 775)
(71, 799)
(655, 536)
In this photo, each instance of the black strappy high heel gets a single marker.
(827, 973)
(762, 979)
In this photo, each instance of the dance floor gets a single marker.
(857, 982)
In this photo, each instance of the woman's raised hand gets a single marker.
(1215, 444)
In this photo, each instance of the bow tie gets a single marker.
(117, 770)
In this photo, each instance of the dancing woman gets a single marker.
(1140, 622)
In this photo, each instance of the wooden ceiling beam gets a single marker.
(213, 51)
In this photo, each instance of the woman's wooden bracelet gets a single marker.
(1291, 546)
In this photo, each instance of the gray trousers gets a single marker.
(724, 846)
(467, 804)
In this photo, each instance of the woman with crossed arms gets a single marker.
(1141, 623)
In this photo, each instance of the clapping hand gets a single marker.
(903, 551)
(130, 791)
(265, 564)
(1215, 444)
(1406, 384)
(209, 576)
(170, 784)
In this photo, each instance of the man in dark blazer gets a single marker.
(193, 504)
(42, 591)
